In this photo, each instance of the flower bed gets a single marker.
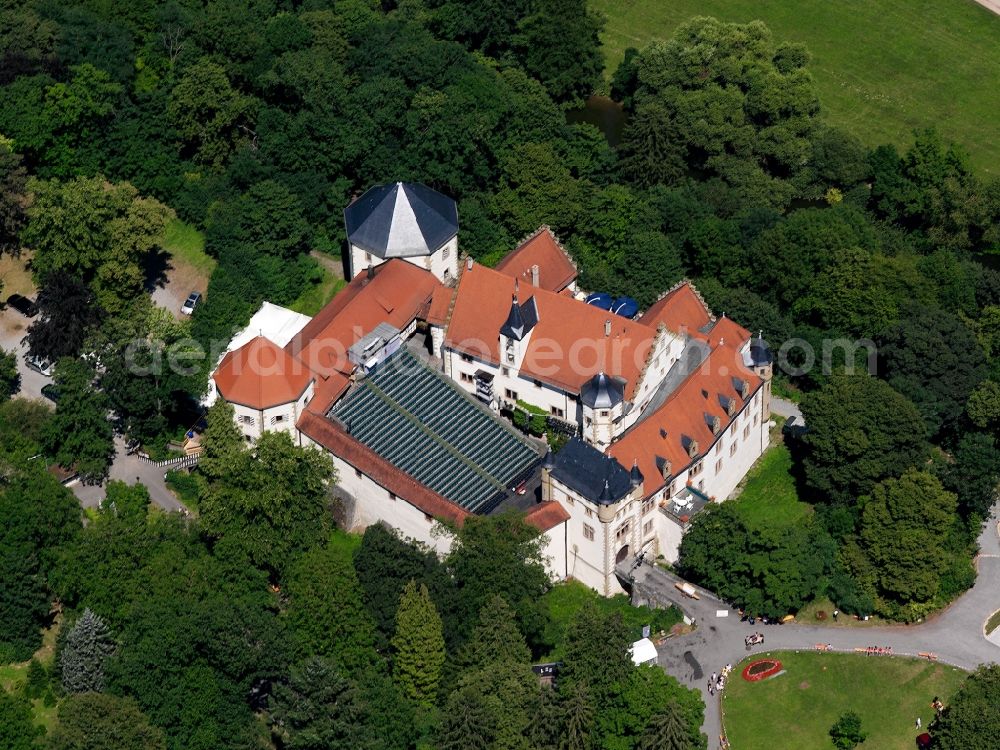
(761, 669)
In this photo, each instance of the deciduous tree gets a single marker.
(79, 434)
(92, 721)
(861, 431)
(972, 718)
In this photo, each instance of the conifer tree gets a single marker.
(578, 720)
(418, 645)
(85, 653)
(667, 730)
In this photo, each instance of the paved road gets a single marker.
(129, 469)
(13, 327)
(785, 408)
(955, 635)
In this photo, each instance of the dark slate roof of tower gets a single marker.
(759, 354)
(521, 320)
(635, 475)
(400, 220)
(595, 476)
(602, 392)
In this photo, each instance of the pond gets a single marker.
(603, 112)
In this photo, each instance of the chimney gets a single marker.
(371, 272)
(607, 327)
(534, 275)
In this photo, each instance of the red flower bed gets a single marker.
(761, 669)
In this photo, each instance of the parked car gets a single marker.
(23, 305)
(191, 303)
(51, 392)
(39, 364)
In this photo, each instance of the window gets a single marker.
(248, 420)
(647, 505)
(623, 531)
(429, 518)
(746, 432)
(358, 474)
(538, 384)
(732, 449)
(466, 377)
(570, 500)
(368, 257)
(589, 421)
(718, 466)
(589, 513)
(647, 528)
(718, 447)
(557, 412)
(277, 419)
(604, 413)
(509, 394)
(466, 357)
(392, 495)
(701, 485)
(588, 532)
(696, 469)
(754, 420)
(505, 371)
(446, 252)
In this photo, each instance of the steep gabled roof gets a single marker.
(547, 515)
(401, 220)
(684, 421)
(680, 309)
(393, 292)
(260, 375)
(569, 343)
(556, 269)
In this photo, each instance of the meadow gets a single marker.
(883, 67)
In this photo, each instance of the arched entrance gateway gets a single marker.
(622, 554)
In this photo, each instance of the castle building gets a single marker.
(406, 376)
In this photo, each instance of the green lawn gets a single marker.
(796, 709)
(565, 599)
(993, 622)
(12, 676)
(187, 244)
(769, 499)
(883, 67)
(314, 298)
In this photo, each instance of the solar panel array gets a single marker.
(421, 423)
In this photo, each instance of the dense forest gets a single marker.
(257, 122)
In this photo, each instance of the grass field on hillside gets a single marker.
(186, 244)
(796, 709)
(883, 67)
(769, 499)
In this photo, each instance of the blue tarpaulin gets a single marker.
(625, 306)
(599, 299)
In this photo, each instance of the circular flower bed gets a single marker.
(761, 669)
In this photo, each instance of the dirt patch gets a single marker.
(181, 279)
(803, 685)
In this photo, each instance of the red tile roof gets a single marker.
(567, 346)
(437, 311)
(680, 309)
(556, 270)
(395, 294)
(547, 515)
(682, 417)
(336, 440)
(260, 375)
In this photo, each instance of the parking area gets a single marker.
(13, 327)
